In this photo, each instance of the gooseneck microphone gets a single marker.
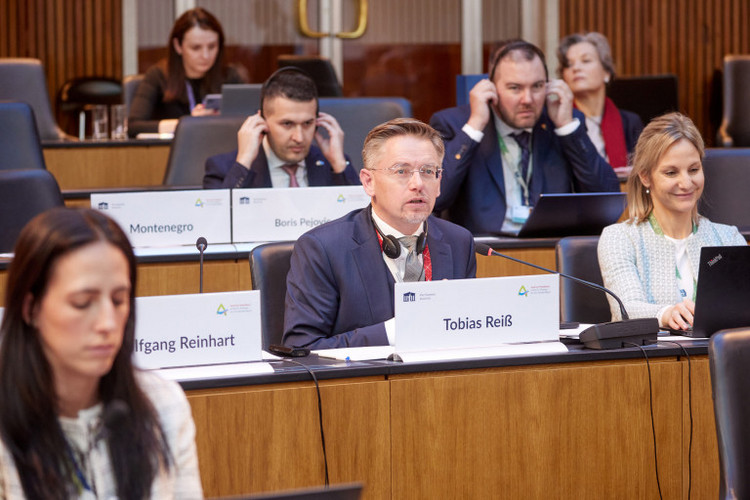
(612, 335)
(201, 245)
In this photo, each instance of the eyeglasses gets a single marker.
(428, 173)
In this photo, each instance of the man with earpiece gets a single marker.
(275, 144)
(519, 137)
(340, 284)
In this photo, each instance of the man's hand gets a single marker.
(332, 146)
(249, 139)
(559, 103)
(481, 96)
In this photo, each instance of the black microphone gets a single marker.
(612, 335)
(201, 245)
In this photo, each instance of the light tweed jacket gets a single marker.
(181, 482)
(639, 265)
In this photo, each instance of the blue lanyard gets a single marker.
(79, 480)
(190, 95)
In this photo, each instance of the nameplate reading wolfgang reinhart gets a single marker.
(197, 329)
(471, 313)
(273, 214)
(169, 218)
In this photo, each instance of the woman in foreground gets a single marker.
(77, 420)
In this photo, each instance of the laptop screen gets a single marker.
(722, 297)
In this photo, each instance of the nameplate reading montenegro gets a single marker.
(169, 218)
(476, 313)
(197, 329)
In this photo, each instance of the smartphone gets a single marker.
(288, 352)
(212, 101)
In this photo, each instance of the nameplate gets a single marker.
(169, 218)
(471, 313)
(273, 214)
(198, 329)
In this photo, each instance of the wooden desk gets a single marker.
(90, 165)
(578, 429)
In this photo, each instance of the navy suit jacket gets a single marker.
(472, 189)
(222, 171)
(339, 289)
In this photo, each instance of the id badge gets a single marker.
(519, 214)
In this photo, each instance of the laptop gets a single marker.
(572, 214)
(722, 299)
(240, 99)
(352, 491)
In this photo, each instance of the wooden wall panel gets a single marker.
(686, 37)
(72, 38)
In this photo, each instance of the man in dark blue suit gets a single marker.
(275, 144)
(506, 147)
(340, 284)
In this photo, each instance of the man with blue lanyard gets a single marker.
(507, 147)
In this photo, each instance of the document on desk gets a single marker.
(476, 313)
(169, 218)
(197, 329)
(273, 214)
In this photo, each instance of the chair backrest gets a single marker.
(90, 90)
(729, 360)
(19, 138)
(24, 194)
(648, 96)
(727, 182)
(576, 256)
(464, 84)
(22, 79)
(320, 70)
(195, 139)
(129, 86)
(269, 265)
(735, 129)
(358, 115)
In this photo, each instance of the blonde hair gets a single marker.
(396, 128)
(658, 136)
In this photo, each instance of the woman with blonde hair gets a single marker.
(651, 260)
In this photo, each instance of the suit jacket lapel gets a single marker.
(316, 170)
(490, 151)
(374, 274)
(440, 253)
(262, 177)
(540, 143)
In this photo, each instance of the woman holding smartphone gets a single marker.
(176, 86)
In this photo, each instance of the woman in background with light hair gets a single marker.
(651, 260)
(586, 66)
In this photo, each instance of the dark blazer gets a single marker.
(632, 126)
(222, 171)
(472, 189)
(339, 289)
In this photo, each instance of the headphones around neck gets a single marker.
(391, 246)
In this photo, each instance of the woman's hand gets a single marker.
(680, 315)
(201, 110)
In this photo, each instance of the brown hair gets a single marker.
(396, 128)
(28, 414)
(203, 19)
(658, 136)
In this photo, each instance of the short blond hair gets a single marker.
(396, 128)
(658, 136)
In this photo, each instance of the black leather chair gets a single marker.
(576, 255)
(19, 138)
(195, 139)
(735, 129)
(648, 96)
(729, 360)
(725, 194)
(77, 94)
(320, 70)
(269, 265)
(358, 115)
(22, 79)
(24, 194)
